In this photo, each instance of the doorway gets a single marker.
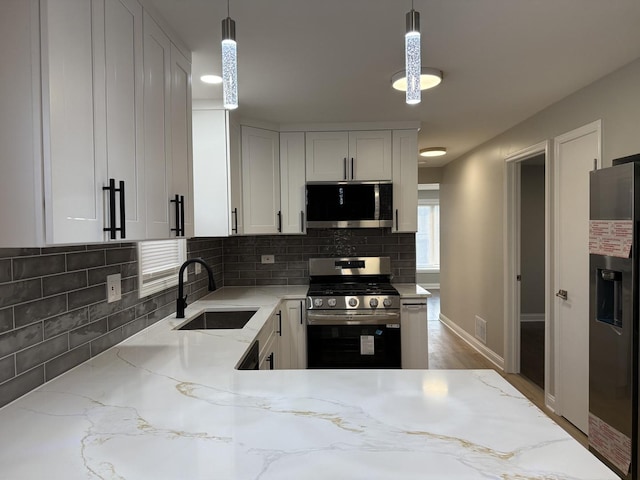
(532, 268)
(527, 264)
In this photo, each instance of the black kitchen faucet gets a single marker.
(181, 302)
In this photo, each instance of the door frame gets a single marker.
(512, 193)
(595, 126)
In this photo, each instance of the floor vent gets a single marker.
(481, 329)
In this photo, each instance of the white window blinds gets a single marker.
(158, 264)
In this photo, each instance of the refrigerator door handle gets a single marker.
(562, 294)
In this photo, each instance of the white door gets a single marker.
(292, 182)
(405, 181)
(574, 156)
(327, 154)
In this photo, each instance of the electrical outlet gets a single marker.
(198, 268)
(268, 259)
(114, 288)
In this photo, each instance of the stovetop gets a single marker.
(351, 289)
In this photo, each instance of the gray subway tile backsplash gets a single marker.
(53, 310)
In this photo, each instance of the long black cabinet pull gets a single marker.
(179, 201)
(270, 360)
(353, 174)
(279, 221)
(112, 229)
(234, 229)
(279, 314)
(301, 313)
(345, 168)
(302, 221)
(397, 220)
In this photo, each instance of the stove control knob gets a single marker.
(387, 302)
(353, 302)
(373, 303)
(332, 302)
(317, 302)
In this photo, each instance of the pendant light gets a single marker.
(412, 57)
(229, 63)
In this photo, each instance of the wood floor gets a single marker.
(448, 351)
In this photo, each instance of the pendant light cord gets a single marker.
(230, 15)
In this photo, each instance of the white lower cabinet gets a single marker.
(293, 341)
(414, 333)
(268, 344)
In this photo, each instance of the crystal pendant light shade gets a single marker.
(413, 64)
(229, 65)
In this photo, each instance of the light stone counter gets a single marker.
(167, 404)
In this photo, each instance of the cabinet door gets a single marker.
(74, 158)
(292, 182)
(294, 334)
(405, 180)
(234, 150)
(181, 146)
(157, 128)
(370, 155)
(260, 181)
(124, 78)
(327, 154)
(414, 334)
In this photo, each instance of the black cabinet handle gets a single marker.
(352, 172)
(234, 229)
(279, 314)
(112, 229)
(179, 207)
(397, 220)
(301, 316)
(279, 221)
(345, 168)
(270, 360)
(302, 221)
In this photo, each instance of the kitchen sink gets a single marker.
(219, 320)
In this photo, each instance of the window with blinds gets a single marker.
(158, 264)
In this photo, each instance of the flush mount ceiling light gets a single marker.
(212, 79)
(412, 57)
(229, 63)
(429, 78)
(433, 152)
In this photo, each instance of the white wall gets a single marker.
(472, 189)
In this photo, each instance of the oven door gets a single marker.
(353, 340)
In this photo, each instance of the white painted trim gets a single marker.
(430, 286)
(334, 127)
(557, 142)
(550, 402)
(428, 186)
(473, 342)
(511, 238)
(532, 317)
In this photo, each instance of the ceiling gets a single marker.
(314, 61)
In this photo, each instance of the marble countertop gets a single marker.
(168, 404)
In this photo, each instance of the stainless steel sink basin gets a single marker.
(219, 319)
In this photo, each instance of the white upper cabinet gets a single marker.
(405, 181)
(345, 156)
(292, 182)
(74, 120)
(261, 181)
(181, 144)
(124, 102)
(157, 128)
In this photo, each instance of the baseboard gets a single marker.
(532, 317)
(432, 286)
(550, 402)
(474, 343)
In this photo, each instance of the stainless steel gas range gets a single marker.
(353, 314)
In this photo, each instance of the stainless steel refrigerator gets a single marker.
(613, 311)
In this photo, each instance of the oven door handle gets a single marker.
(315, 318)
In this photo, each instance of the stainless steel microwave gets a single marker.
(349, 204)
